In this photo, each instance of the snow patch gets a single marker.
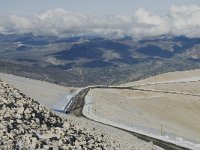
(62, 102)
(192, 79)
(65, 101)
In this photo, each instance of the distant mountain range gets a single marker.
(80, 61)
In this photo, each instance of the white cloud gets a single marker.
(180, 20)
(185, 20)
(19, 24)
(148, 18)
(150, 24)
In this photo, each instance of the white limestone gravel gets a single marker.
(26, 124)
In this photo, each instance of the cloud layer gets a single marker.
(180, 20)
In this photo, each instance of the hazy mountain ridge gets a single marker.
(80, 61)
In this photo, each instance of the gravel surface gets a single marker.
(25, 124)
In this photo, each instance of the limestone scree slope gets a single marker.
(25, 124)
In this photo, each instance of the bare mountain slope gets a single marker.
(24, 123)
(166, 106)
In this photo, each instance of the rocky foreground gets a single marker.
(24, 123)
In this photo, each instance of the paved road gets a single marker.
(79, 101)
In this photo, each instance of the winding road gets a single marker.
(78, 102)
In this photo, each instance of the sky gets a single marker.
(108, 18)
(94, 6)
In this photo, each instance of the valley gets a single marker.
(83, 61)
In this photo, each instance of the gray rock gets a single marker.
(27, 111)
(66, 125)
(20, 110)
